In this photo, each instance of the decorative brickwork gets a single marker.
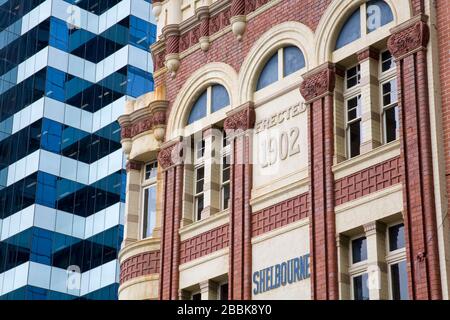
(240, 209)
(317, 88)
(140, 265)
(408, 45)
(204, 244)
(365, 182)
(172, 206)
(280, 215)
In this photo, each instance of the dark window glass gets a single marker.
(269, 74)
(293, 60)
(359, 250)
(353, 76)
(396, 237)
(354, 126)
(360, 288)
(391, 124)
(197, 296)
(224, 292)
(151, 170)
(198, 110)
(399, 281)
(387, 61)
(351, 30)
(378, 14)
(219, 98)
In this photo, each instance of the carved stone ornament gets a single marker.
(318, 84)
(242, 119)
(409, 40)
(171, 155)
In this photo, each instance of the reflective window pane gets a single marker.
(399, 281)
(198, 110)
(269, 74)
(378, 14)
(219, 98)
(293, 60)
(351, 30)
(360, 287)
(359, 250)
(149, 214)
(397, 237)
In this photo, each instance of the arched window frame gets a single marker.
(209, 102)
(281, 67)
(364, 32)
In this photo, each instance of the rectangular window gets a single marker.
(353, 76)
(149, 213)
(396, 237)
(200, 149)
(390, 110)
(359, 250)
(225, 189)
(354, 126)
(197, 296)
(199, 195)
(360, 287)
(151, 170)
(399, 281)
(387, 61)
(223, 291)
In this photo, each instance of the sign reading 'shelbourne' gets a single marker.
(281, 274)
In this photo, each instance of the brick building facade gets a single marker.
(291, 150)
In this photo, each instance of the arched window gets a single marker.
(290, 58)
(211, 100)
(369, 17)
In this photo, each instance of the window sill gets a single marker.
(198, 227)
(369, 159)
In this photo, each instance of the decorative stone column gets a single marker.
(370, 101)
(238, 19)
(132, 207)
(212, 172)
(208, 290)
(237, 126)
(157, 8)
(376, 264)
(171, 34)
(203, 16)
(343, 244)
(317, 90)
(170, 159)
(408, 44)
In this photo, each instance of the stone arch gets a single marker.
(212, 73)
(335, 16)
(288, 33)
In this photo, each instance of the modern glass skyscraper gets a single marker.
(66, 69)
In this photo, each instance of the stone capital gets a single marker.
(171, 154)
(241, 118)
(409, 37)
(318, 82)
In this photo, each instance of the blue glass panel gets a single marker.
(198, 111)
(269, 73)
(351, 30)
(139, 82)
(359, 250)
(294, 60)
(378, 14)
(219, 98)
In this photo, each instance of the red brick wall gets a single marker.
(228, 50)
(280, 215)
(140, 265)
(443, 29)
(204, 244)
(367, 181)
(409, 48)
